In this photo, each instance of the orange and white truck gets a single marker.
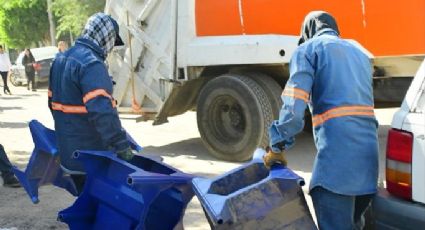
(228, 59)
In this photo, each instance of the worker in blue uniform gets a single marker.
(80, 95)
(333, 77)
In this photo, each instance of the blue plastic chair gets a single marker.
(141, 194)
(44, 165)
(253, 197)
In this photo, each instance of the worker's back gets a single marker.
(343, 74)
(344, 124)
(74, 130)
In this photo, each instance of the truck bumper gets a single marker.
(390, 212)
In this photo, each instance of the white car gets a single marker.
(43, 57)
(401, 205)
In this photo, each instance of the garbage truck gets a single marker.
(228, 59)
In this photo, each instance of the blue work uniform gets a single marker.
(80, 100)
(334, 78)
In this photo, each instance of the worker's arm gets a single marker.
(96, 86)
(295, 97)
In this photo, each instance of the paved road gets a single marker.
(177, 141)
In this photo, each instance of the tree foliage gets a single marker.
(73, 14)
(23, 22)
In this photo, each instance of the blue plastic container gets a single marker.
(44, 165)
(253, 197)
(141, 194)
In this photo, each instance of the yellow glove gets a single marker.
(271, 158)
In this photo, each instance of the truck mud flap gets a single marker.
(253, 197)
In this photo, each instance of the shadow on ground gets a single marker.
(10, 98)
(3, 108)
(14, 125)
(190, 147)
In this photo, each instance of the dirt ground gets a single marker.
(177, 141)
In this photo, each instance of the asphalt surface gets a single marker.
(178, 142)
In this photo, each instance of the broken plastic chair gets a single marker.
(253, 197)
(44, 165)
(141, 194)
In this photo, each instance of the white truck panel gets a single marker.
(243, 49)
(143, 69)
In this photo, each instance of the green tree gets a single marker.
(23, 23)
(73, 14)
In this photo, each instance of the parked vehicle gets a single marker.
(229, 59)
(43, 57)
(401, 205)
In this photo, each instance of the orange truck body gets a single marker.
(385, 28)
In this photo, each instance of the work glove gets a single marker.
(271, 158)
(126, 154)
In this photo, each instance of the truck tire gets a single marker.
(272, 89)
(233, 114)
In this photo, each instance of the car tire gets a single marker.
(13, 80)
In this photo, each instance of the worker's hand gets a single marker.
(126, 154)
(271, 158)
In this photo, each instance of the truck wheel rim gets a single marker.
(227, 119)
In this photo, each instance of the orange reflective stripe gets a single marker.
(296, 93)
(49, 93)
(342, 111)
(99, 92)
(95, 93)
(69, 108)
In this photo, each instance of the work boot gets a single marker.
(10, 180)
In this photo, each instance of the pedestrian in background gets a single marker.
(62, 46)
(334, 78)
(5, 66)
(28, 62)
(9, 179)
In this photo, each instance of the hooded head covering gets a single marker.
(102, 30)
(317, 21)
